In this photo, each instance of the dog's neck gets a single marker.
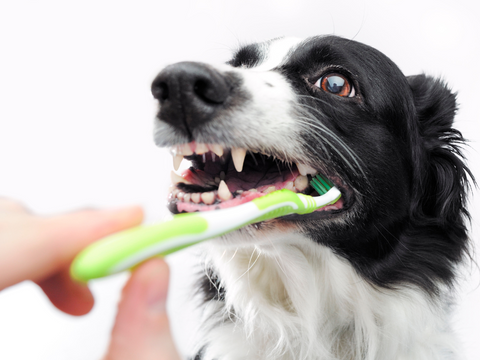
(289, 298)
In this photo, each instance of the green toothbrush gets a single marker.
(124, 250)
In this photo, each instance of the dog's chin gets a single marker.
(222, 180)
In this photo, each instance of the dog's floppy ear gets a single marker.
(442, 191)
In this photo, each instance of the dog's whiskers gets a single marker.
(312, 122)
(307, 126)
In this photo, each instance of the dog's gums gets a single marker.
(220, 178)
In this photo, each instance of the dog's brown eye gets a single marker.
(336, 84)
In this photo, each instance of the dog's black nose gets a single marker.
(189, 94)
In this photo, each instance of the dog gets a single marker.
(369, 277)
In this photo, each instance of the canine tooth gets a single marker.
(177, 160)
(216, 149)
(187, 197)
(269, 190)
(177, 178)
(223, 191)
(185, 150)
(201, 149)
(289, 185)
(208, 197)
(196, 198)
(301, 183)
(305, 169)
(238, 157)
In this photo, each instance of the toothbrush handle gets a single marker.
(128, 248)
(125, 249)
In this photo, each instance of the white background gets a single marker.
(76, 120)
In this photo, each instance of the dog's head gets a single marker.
(280, 111)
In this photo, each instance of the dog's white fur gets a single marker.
(295, 299)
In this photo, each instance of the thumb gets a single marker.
(142, 330)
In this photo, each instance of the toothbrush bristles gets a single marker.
(321, 184)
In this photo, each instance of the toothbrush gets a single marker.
(124, 250)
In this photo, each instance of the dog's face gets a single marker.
(281, 111)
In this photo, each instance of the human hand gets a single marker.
(142, 329)
(41, 249)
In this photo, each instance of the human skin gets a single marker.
(41, 248)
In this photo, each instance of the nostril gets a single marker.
(200, 88)
(160, 90)
(213, 93)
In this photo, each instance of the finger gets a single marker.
(67, 295)
(10, 205)
(40, 247)
(141, 329)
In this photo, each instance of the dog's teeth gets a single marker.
(174, 193)
(289, 185)
(177, 160)
(174, 150)
(216, 149)
(223, 191)
(253, 190)
(305, 169)
(187, 149)
(208, 197)
(177, 178)
(301, 183)
(183, 150)
(196, 198)
(201, 149)
(180, 195)
(269, 190)
(238, 157)
(187, 197)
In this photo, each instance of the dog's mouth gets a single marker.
(221, 177)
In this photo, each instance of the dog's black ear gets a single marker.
(443, 180)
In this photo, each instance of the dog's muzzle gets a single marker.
(190, 93)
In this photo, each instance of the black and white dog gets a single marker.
(370, 277)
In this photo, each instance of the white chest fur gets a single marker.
(289, 298)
